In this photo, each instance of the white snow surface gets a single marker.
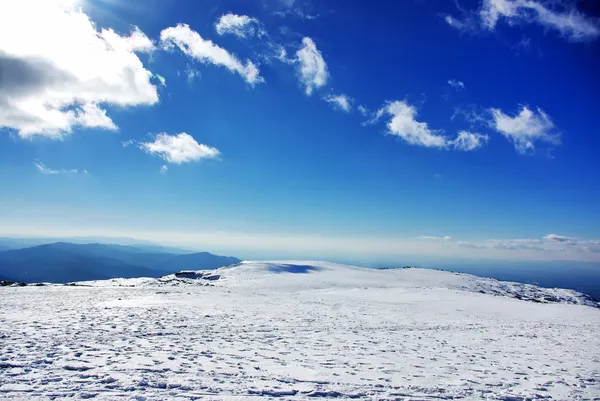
(298, 330)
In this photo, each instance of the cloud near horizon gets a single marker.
(258, 244)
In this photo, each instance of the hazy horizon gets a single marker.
(367, 260)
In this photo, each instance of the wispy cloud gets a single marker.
(433, 238)
(178, 148)
(525, 128)
(341, 102)
(458, 85)
(192, 73)
(206, 52)
(468, 141)
(164, 168)
(560, 16)
(551, 243)
(312, 69)
(455, 23)
(475, 115)
(363, 110)
(47, 170)
(241, 26)
(298, 9)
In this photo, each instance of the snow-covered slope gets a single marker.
(302, 275)
(299, 330)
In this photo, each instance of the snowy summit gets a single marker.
(299, 330)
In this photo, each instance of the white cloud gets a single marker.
(178, 148)
(429, 237)
(555, 15)
(559, 238)
(468, 141)
(341, 102)
(363, 110)
(46, 170)
(312, 69)
(137, 41)
(91, 116)
(491, 10)
(516, 244)
(458, 85)
(241, 26)
(58, 70)
(404, 125)
(164, 168)
(526, 128)
(205, 51)
(551, 245)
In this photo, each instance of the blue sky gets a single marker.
(284, 128)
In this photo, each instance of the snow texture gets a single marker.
(299, 331)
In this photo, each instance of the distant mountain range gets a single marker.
(26, 242)
(63, 262)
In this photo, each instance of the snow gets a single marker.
(299, 330)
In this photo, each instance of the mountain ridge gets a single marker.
(282, 277)
(63, 262)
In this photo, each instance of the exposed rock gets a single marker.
(197, 274)
(7, 283)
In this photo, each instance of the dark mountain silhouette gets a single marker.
(64, 262)
(4, 248)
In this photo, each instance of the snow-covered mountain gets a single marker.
(299, 330)
(61, 262)
(299, 275)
